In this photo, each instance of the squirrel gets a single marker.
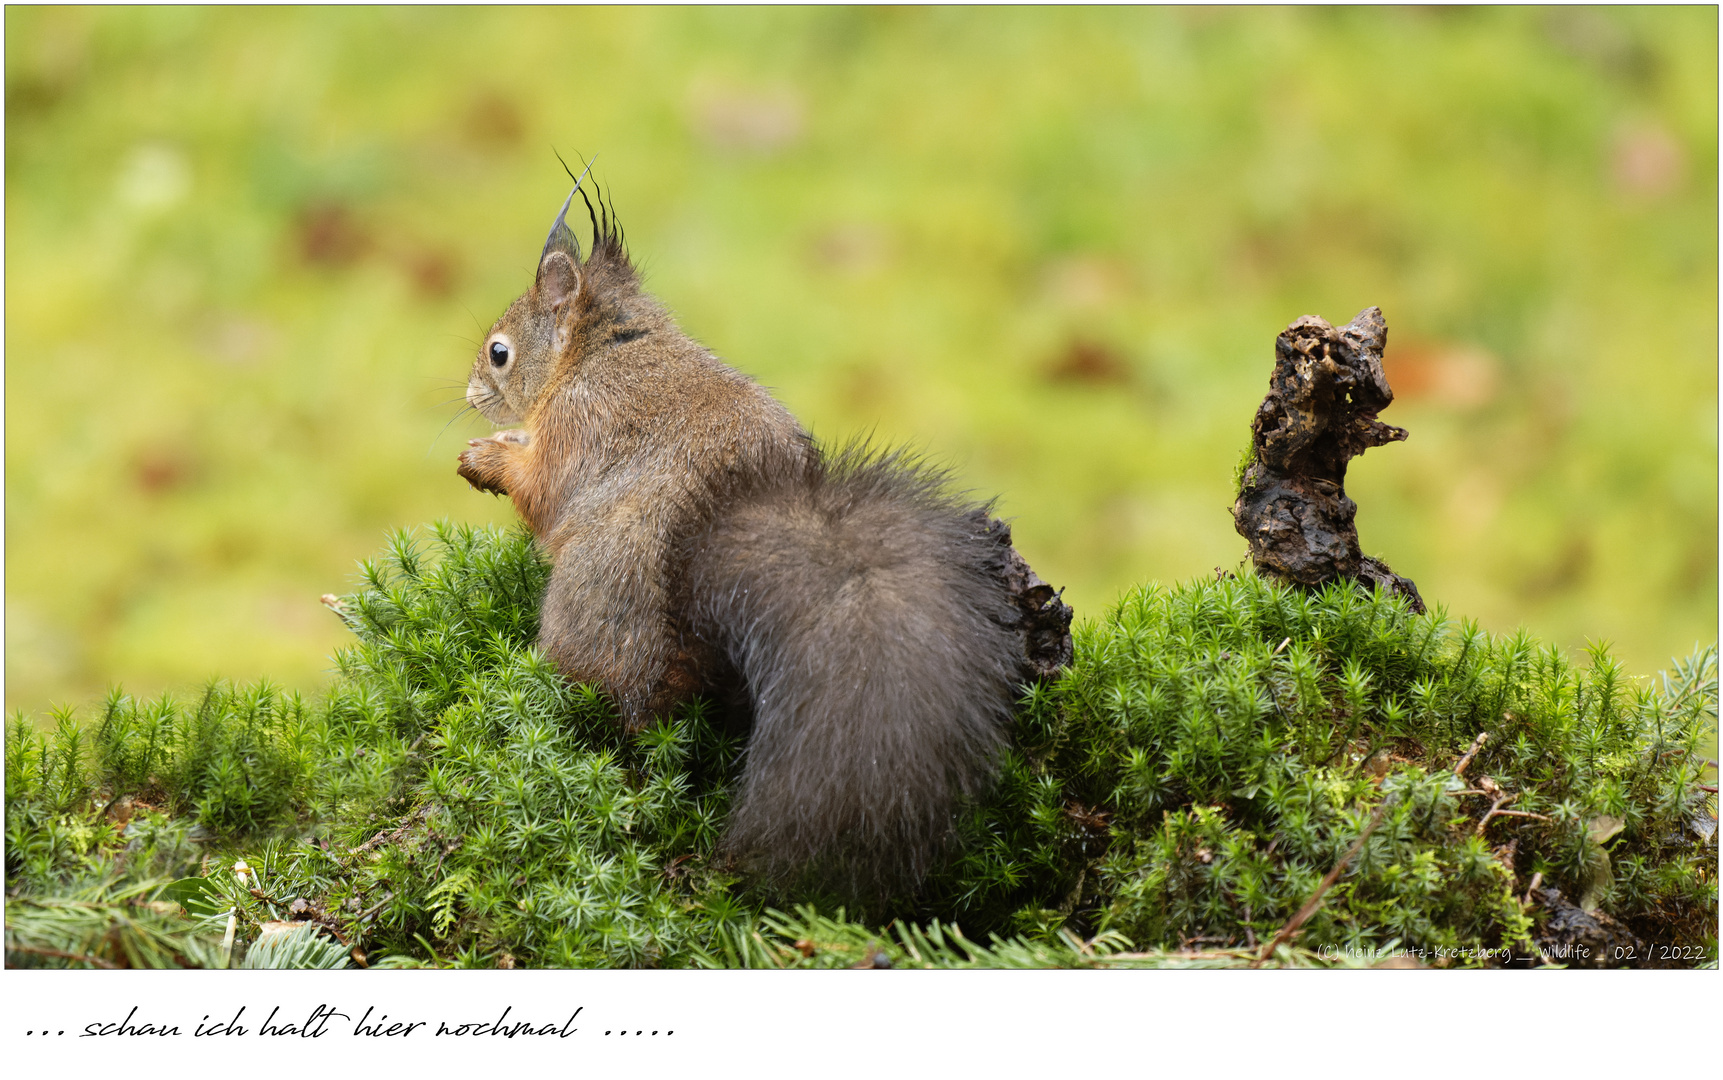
(873, 629)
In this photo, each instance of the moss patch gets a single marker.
(1214, 751)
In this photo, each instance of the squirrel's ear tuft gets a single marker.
(558, 278)
(561, 237)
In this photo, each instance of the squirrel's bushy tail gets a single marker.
(863, 607)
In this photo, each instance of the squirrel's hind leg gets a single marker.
(604, 620)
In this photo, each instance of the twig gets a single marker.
(1495, 809)
(1537, 879)
(385, 836)
(241, 873)
(1477, 744)
(1296, 923)
(374, 908)
(1194, 954)
(1520, 813)
(359, 922)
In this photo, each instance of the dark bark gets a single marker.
(1587, 939)
(1038, 612)
(1321, 411)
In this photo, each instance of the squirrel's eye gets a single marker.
(499, 354)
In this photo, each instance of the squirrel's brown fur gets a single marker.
(700, 542)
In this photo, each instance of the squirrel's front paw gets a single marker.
(484, 463)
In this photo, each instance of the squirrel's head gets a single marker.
(543, 337)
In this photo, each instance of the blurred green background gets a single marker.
(250, 254)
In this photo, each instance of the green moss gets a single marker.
(1246, 458)
(1215, 749)
(1237, 736)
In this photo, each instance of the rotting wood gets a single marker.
(1321, 411)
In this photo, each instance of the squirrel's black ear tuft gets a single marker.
(561, 237)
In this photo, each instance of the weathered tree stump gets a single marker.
(1038, 613)
(1324, 395)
